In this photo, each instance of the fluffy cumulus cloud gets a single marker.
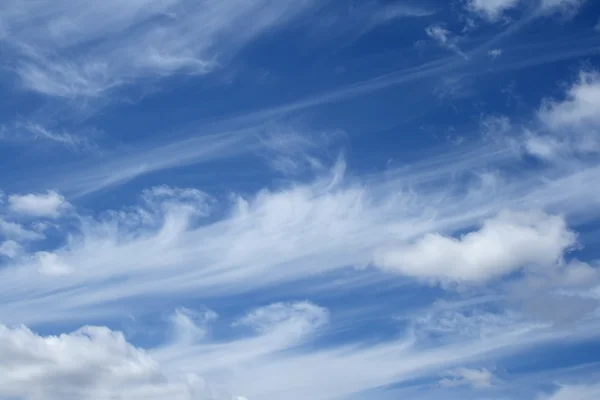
(570, 125)
(93, 363)
(49, 204)
(503, 244)
(579, 108)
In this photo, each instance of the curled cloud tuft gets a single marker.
(48, 205)
(503, 244)
(190, 326)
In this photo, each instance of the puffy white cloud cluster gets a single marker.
(503, 244)
(92, 363)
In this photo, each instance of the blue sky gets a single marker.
(258, 199)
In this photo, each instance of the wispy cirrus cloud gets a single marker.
(478, 378)
(444, 38)
(70, 51)
(29, 132)
(317, 275)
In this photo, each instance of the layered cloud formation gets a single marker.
(272, 199)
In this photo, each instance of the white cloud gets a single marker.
(261, 366)
(72, 50)
(477, 378)
(444, 38)
(51, 264)
(92, 363)
(495, 53)
(293, 232)
(27, 132)
(10, 248)
(190, 326)
(395, 11)
(569, 126)
(579, 108)
(491, 10)
(117, 168)
(576, 392)
(567, 7)
(502, 245)
(297, 317)
(47, 205)
(275, 328)
(15, 231)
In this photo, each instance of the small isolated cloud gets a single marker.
(91, 363)
(444, 38)
(495, 53)
(492, 10)
(476, 378)
(503, 244)
(49, 204)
